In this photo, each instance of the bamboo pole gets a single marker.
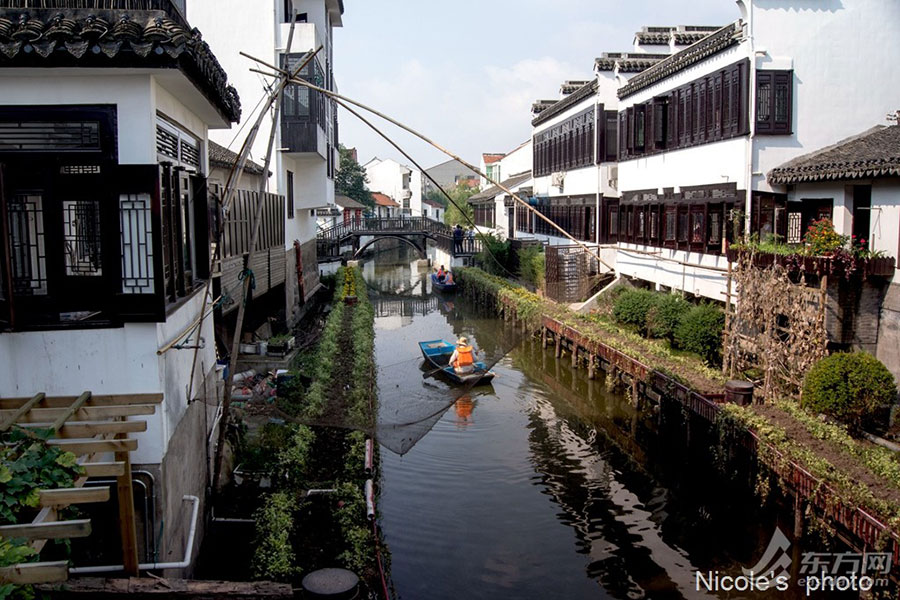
(229, 382)
(437, 146)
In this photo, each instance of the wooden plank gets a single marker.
(67, 496)
(127, 528)
(48, 531)
(88, 413)
(79, 447)
(40, 572)
(134, 588)
(104, 469)
(96, 400)
(78, 403)
(19, 412)
(87, 429)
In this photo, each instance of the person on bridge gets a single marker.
(457, 238)
(463, 358)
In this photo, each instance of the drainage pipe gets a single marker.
(188, 550)
(370, 499)
(370, 452)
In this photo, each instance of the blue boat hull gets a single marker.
(443, 287)
(437, 356)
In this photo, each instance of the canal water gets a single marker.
(543, 484)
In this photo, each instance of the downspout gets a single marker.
(597, 166)
(185, 562)
(751, 118)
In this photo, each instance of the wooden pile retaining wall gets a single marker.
(860, 530)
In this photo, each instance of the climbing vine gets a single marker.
(778, 326)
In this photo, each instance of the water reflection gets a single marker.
(545, 485)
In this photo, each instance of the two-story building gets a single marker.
(401, 183)
(305, 155)
(105, 116)
(699, 131)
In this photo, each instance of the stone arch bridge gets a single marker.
(413, 231)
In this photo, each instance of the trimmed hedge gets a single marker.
(700, 331)
(854, 388)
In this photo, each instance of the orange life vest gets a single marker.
(464, 356)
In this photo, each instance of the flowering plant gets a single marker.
(822, 240)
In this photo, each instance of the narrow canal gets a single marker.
(543, 484)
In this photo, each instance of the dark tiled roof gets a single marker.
(568, 87)
(636, 65)
(220, 156)
(653, 37)
(77, 37)
(570, 100)
(492, 191)
(723, 38)
(628, 62)
(540, 106)
(688, 37)
(874, 153)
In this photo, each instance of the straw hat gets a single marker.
(462, 342)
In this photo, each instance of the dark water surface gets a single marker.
(543, 484)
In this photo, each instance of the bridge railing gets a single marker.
(441, 233)
(385, 224)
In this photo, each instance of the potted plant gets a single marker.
(280, 345)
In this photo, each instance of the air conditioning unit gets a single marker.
(558, 178)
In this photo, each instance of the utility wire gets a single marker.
(280, 72)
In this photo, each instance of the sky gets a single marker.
(465, 72)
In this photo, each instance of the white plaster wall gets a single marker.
(518, 161)
(885, 221)
(176, 366)
(132, 94)
(844, 56)
(841, 196)
(386, 177)
(415, 186)
(716, 162)
(68, 362)
(222, 22)
(312, 189)
(692, 279)
(714, 63)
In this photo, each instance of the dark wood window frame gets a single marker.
(290, 194)
(709, 109)
(774, 102)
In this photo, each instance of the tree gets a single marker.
(436, 197)
(460, 196)
(351, 179)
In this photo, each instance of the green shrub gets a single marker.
(273, 556)
(665, 315)
(495, 257)
(855, 388)
(700, 331)
(531, 265)
(633, 306)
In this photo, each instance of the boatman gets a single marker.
(463, 358)
(441, 274)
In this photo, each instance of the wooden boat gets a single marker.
(437, 357)
(442, 287)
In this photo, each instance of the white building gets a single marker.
(107, 225)
(432, 210)
(699, 132)
(306, 147)
(401, 183)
